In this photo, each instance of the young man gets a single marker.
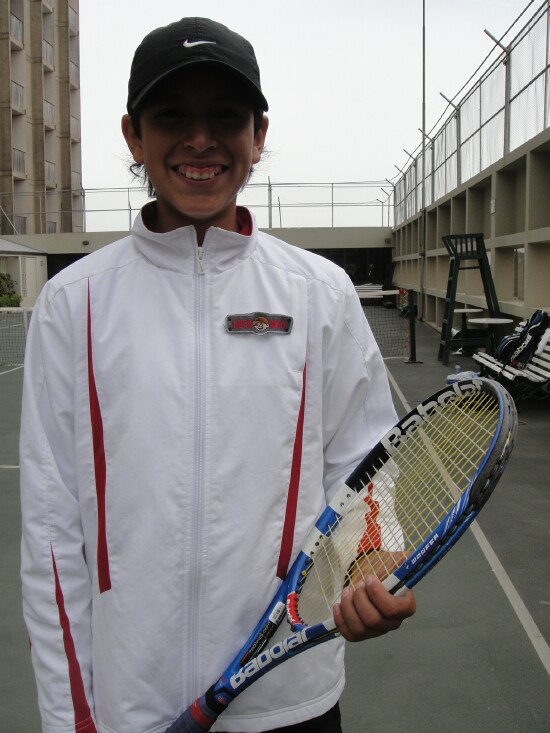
(194, 394)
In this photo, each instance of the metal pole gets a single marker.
(393, 192)
(412, 328)
(422, 242)
(507, 90)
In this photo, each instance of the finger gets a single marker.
(396, 607)
(341, 616)
(356, 617)
(371, 610)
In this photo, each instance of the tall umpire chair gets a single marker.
(466, 252)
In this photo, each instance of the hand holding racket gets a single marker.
(396, 516)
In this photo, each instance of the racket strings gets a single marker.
(402, 501)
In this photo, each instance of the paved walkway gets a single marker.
(474, 659)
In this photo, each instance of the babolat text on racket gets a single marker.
(400, 511)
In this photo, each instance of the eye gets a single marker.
(168, 113)
(231, 114)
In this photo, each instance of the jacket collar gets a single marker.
(177, 250)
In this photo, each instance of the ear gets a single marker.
(259, 141)
(132, 139)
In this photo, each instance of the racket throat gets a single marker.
(201, 715)
(215, 705)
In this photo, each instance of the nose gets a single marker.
(198, 135)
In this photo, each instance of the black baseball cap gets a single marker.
(187, 42)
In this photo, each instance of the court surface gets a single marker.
(474, 659)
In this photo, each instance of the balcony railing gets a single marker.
(73, 21)
(16, 29)
(49, 115)
(75, 129)
(74, 75)
(19, 166)
(17, 97)
(76, 183)
(49, 173)
(47, 53)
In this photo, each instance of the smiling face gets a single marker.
(197, 140)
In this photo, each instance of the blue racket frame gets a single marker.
(254, 659)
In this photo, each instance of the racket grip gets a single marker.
(200, 716)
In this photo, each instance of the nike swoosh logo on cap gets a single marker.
(190, 44)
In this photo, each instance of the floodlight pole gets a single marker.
(507, 90)
(382, 204)
(422, 243)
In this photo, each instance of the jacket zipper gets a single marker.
(200, 268)
(193, 660)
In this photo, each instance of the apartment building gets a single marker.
(40, 157)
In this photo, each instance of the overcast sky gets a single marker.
(343, 78)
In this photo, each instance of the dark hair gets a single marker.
(138, 169)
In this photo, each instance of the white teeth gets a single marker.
(197, 174)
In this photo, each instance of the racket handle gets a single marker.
(200, 716)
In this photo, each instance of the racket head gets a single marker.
(466, 430)
(409, 500)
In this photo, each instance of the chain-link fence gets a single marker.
(507, 106)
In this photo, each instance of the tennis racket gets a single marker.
(396, 516)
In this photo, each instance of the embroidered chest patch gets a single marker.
(258, 323)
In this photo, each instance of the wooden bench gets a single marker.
(531, 382)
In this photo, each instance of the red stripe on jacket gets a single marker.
(103, 572)
(82, 717)
(293, 486)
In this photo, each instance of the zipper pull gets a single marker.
(200, 268)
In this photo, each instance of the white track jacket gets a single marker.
(163, 458)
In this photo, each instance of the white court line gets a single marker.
(9, 371)
(526, 620)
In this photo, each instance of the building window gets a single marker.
(20, 223)
(24, 277)
(51, 227)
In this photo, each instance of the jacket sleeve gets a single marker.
(56, 581)
(357, 403)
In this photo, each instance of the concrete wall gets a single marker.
(305, 237)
